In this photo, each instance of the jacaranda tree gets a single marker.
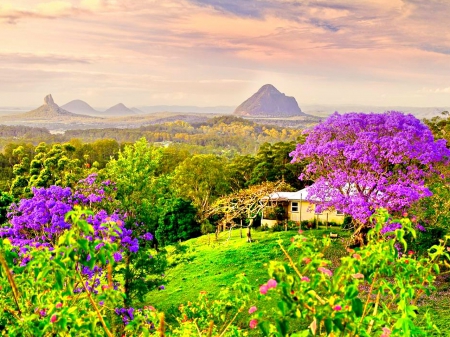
(361, 162)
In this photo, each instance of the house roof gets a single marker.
(288, 196)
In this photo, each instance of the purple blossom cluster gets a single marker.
(40, 220)
(127, 314)
(390, 227)
(361, 162)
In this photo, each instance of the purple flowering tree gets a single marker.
(360, 162)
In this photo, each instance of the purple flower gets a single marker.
(161, 287)
(117, 257)
(390, 227)
(147, 236)
(337, 308)
(421, 228)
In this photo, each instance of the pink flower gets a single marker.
(253, 323)
(386, 332)
(306, 260)
(337, 308)
(300, 231)
(271, 283)
(325, 271)
(357, 256)
(252, 310)
(305, 279)
(53, 319)
(59, 305)
(358, 276)
(263, 289)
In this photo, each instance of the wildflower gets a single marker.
(358, 276)
(59, 305)
(306, 260)
(386, 332)
(252, 310)
(357, 256)
(117, 256)
(101, 303)
(263, 289)
(147, 236)
(421, 228)
(271, 283)
(325, 271)
(161, 287)
(53, 319)
(305, 279)
(253, 323)
(337, 308)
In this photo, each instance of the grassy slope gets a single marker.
(204, 267)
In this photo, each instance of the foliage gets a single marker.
(5, 202)
(48, 166)
(41, 298)
(202, 179)
(178, 222)
(360, 162)
(374, 290)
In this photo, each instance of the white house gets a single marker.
(294, 206)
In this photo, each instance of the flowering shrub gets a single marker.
(374, 291)
(361, 162)
(40, 297)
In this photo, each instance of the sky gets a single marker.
(218, 52)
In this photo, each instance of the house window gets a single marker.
(339, 213)
(294, 207)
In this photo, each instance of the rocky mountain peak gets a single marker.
(48, 100)
(269, 102)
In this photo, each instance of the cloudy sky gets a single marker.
(219, 52)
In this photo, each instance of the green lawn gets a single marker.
(199, 266)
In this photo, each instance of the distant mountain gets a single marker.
(80, 107)
(324, 110)
(188, 109)
(269, 102)
(136, 110)
(118, 110)
(47, 112)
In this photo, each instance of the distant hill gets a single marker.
(118, 110)
(221, 109)
(324, 110)
(269, 102)
(49, 111)
(136, 110)
(80, 107)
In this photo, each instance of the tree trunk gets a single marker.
(241, 229)
(249, 231)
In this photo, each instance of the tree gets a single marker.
(138, 191)
(202, 179)
(246, 203)
(178, 222)
(361, 162)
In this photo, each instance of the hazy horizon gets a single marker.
(218, 53)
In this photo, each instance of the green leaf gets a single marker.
(357, 307)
